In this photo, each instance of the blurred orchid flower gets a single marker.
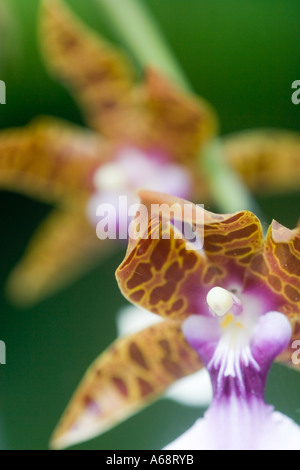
(232, 306)
(144, 134)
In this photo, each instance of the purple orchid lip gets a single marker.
(238, 350)
(238, 354)
(235, 425)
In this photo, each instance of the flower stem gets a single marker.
(136, 26)
(138, 29)
(230, 194)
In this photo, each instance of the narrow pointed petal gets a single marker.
(167, 276)
(98, 76)
(267, 160)
(64, 246)
(180, 123)
(194, 390)
(50, 160)
(132, 373)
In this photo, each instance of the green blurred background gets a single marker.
(241, 55)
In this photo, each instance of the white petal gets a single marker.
(194, 390)
(237, 425)
(132, 319)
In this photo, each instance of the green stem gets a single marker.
(136, 26)
(138, 29)
(229, 192)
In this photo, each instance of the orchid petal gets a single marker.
(157, 115)
(104, 77)
(50, 160)
(275, 269)
(128, 376)
(240, 426)
(169, 278)
(194, 390)
(64, 246)
(267, 160)
(180, 124)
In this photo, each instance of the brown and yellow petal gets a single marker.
(98, 76)
(50, 160)
(276, 268)
(132, 373)
(64, 246)
(179, 123)
(170, 278)
(267, 160)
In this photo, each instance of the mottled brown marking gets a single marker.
(185, 355)
(275, 282)
(145, 387)
(91, 405)
(137, 296)
(174, 272)
(258, 265)
(297, 244)
(292, 293)
(244, 232)
(238, 251)
(246, 259)
(189, 261)
(95, 76)
(160, 253)
(141, 275)
(137, 356)
(165, 346)
(287, 260)
(162, 293)
(296, 330)
(233, 219)
(172, 367)
(178, 244)
(177, 305)
(68, 41)
(120, 385)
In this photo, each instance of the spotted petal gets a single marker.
(98, 76)
(267, 160)
(50, 160)
(169, 278)
(132, 373)
(276, 270)
(64, 246)
(157, 114)
(179, 123)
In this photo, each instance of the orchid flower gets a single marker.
(144, 135)
(232, 306)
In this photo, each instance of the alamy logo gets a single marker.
(296, 94)
(2, 352)
(296, 354)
